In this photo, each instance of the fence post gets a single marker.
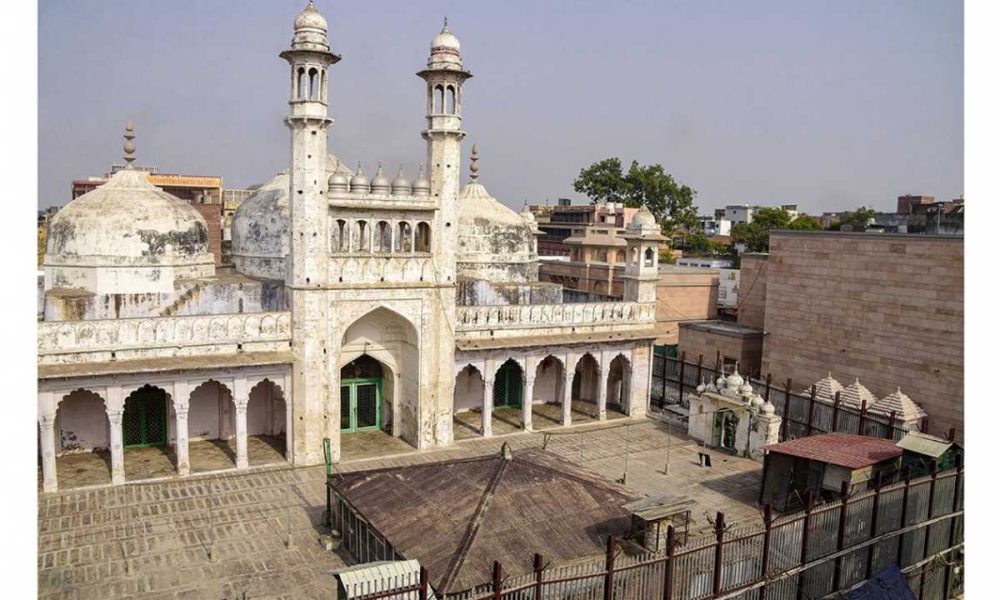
(812, 409)
(609, 570)
(668, 567)
(951, 528)
(767, 388)
(902, 516)
(923, 425)
(927, 529)
(539, 566)
(701, 358)
(951, 434)
(804, 553)
(873, 529)
(718, 362)
(497, 584)
(838, 564)
(680, 379)
(786, 411)
(892, 425)
(663, 380)
(423, 583)
(766, 555)
(836, 412)
(861, 417)
(720, 531)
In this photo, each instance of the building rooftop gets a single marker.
(925, 444)
(457, 517)
(841, 449)
(723, 327)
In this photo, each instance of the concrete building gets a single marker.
(885, 309)
(712, 226)
(566, 220)
(355, 305)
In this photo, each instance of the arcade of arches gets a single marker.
(528, 383)
(123, 430)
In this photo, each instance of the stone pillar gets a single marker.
(117, 450)
(333, 413)
(529, 391)
(487, 428)
(567, 395)
(182, 398)
(48, 427)
(241, 399)
(602, 394)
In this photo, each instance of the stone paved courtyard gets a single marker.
(157, 539)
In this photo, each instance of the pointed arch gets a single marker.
(469, 389)
(549, 376)
(619, 383)
(586, 379)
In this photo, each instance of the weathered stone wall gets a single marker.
(212, 213)
(213, 296)
(487, 293)
(887, 309)
(753, 290)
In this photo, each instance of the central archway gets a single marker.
(382, 348)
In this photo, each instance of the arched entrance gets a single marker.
(361, 395)
(144, 420)
(619, 384)
(83, 440)
(380, 376)
(586, 378)
(266, 420)
(211, 425)
(508, 385)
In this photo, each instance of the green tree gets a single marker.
(805, 223)
(670, 202)
(755, 234)
(858, 220)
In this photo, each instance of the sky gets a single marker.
(830, 105)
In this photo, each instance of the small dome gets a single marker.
(767, 408)
(310, 18)
(338, 182)
(746, 389)
(642, 219)
(720, 382)
(734, 382)
(422, 186)
(380, 183)
(359, 183)
(401, 185)
(701, 387)
(445, 42)
(757, 401)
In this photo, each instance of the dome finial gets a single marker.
(445, 28)
(474, 164)
(129, 145)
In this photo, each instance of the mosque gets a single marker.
(355, 304)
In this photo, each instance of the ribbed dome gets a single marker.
(126, 236)
(380, 183)
(359, 183)
(401, 185)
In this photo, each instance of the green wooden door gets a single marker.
(360, 405)
(508, 387)
(144, 421)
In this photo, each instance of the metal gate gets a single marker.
(508, 387)
(144, 421)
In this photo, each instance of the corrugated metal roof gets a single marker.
(922, 443)
(457, 517)
(376, 576)
(842, 449)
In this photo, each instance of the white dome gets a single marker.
(310, 18)
(445, 41)
(126, 236)
(262, 221)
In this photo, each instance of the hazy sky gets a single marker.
(828, 104)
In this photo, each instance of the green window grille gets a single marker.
(361, 404)
(144, 421)
(508, 386)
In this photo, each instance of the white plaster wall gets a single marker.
(548, 383)
(469, 389)
(265, 411)
(585, 380)
(212, 415)
(82, 423)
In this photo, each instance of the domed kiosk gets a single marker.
(126, 236)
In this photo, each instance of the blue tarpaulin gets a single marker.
(890, 584)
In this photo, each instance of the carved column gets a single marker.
(117, 450)
(487, 427)
(602, 393)
(182, 399)
(48, 427)
(241, 399)
(567, 393)
(529, 392)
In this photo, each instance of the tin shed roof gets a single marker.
(457, 517)
(841, 449)
(922, 443)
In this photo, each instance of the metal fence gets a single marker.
(802, 414)
(810, 554)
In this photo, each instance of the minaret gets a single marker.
(444, 76)
(307, 260)
(643, 239)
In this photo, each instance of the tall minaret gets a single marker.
(444, 76)
(306, 268)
